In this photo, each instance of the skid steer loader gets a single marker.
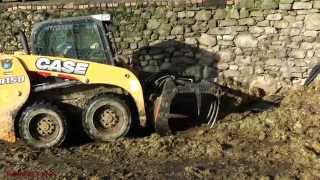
(73, 60)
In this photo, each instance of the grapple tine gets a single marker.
(214, 110)
(210, 111)
(198, 98)
(217, 112)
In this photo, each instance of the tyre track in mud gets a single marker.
(282, 143)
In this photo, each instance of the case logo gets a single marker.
(56, 65)
(6, 64)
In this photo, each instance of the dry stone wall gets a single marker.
(275, 45)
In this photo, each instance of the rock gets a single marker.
(181, 14)
(146, 15)
(231, 73)
(220, 14)
(133, 46)
(244, 13)
(150, 68)
(274, 17)
(144, 63)
(246, 70)
(264, 23)
(266, 83)
(316, 4)
(183, 60)
(226, 55)
(170, 14)
(203, 15)
(212, 24)
(295, 32)
(190, 14)
(234, 13)
(243, 60)
(302, 5)
(299, 54)
(246, 21)
(269, 4)
(285, 6)
(228, 37)
(281, 24)
(256, 14)
(165, 29)
(188, 21)
(225, 43)
(207, 40)
(296, 75)
(306, 46)
(312, 21)
(298, 24)
(246, 40)
(223, 66)
(273, 62)
(221, 30)
(256, 29)
(246, 4)
(166, 66)
(270, 30)
(191, 41)
(177, 30)
(228, 22)
(153, 24)
(258, 69)
(160, 12)
(315, 146)
(233, 67)
(286, 1)
(311, 33)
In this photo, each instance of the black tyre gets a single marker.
(42, 125)
(106, 118)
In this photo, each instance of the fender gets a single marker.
(89, 73)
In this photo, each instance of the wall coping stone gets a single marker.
(105, 4)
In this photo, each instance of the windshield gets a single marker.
(77, 40)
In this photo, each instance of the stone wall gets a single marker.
(276, 45)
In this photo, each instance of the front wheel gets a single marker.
(42, 125)
(106, 118)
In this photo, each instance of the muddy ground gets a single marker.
(279, 143)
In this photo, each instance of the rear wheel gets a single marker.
(106, 118)
(42, 125)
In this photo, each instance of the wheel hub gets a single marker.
(108, 118)
(46, 126)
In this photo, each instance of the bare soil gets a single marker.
(282, 143)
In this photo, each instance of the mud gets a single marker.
(279, 143)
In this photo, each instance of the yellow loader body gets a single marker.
(14, 93)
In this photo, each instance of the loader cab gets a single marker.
(85, 38)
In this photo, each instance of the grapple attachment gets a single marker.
(172, 86)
